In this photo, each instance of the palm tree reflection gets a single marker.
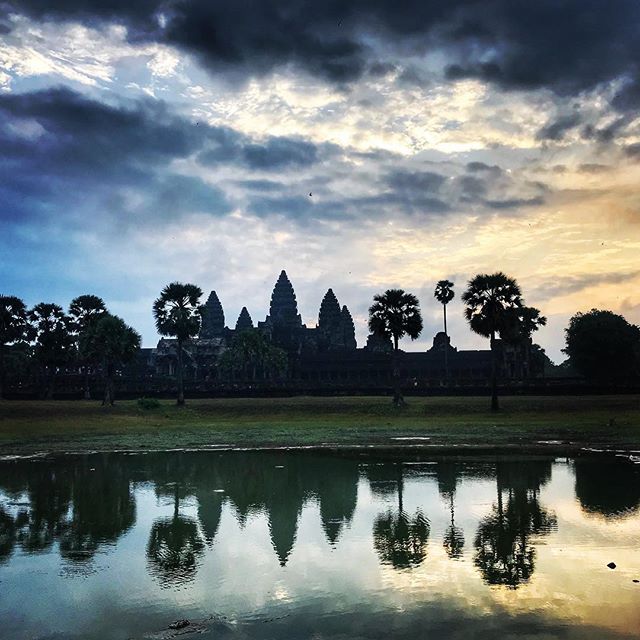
(399, 539)
(175, 547)
(447, 476)
(504, 553)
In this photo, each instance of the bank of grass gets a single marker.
(39, 426)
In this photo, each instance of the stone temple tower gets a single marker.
(244, 321)
(212, 318)
(283, 311)
(335, 325)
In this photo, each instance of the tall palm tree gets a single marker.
(112, 342)
(444, 295)
(84, 312)
(178, 313)
(394, 314)
(53, 342)
(491, 300)
(14, 326)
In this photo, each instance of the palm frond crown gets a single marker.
(394, 314)
(488, 299)
(177, 311)
(444, 291)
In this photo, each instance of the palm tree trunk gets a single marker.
(398, 400)
(494, 375)
(87, 390)
(446, 345)
(50, 381)
(1, 371)
(180, 375)
(108, 385)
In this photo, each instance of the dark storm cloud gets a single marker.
(565, 46)
(556, 128)
(415, 181)
(515, 203)
(59, 147)
(278, 153)
(609, 133)
(633, 150)
(227, 146)
(66, 154)
(481, 167)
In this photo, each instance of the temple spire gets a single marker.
(283, 310)
(348, 329)
(329, 315)
(212, 318)
(244, 321)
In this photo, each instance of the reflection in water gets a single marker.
(504, 552)
(607, 488)
(174, 546)
(448, 475)
(399, 539)
(7, 535)
(198, 502)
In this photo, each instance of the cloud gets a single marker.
(517, 44)
(566, 285)
(633, 150)
(556, 128)
(64, 150)
(278, 153)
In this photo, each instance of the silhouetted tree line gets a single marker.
(42, 341)
(86, 503)
(46, 340)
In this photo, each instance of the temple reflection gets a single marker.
(81, 506)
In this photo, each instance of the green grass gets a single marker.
(37, 426)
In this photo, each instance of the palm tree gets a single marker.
(14, 327)
(84, 312)
(444, 295)
(53, 342)
(178, 314)
(112, 342)
(394, 314)
(490, 301)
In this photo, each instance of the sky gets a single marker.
(360, 145)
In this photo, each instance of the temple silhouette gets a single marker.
(326, 355)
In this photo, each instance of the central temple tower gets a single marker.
(283, 310)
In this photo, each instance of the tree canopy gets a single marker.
(112, 342)
(603, 345)
(178, 313)
(395, 314)
(492, 302)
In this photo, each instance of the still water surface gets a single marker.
(292, 545)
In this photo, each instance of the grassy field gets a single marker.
(39, 426)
